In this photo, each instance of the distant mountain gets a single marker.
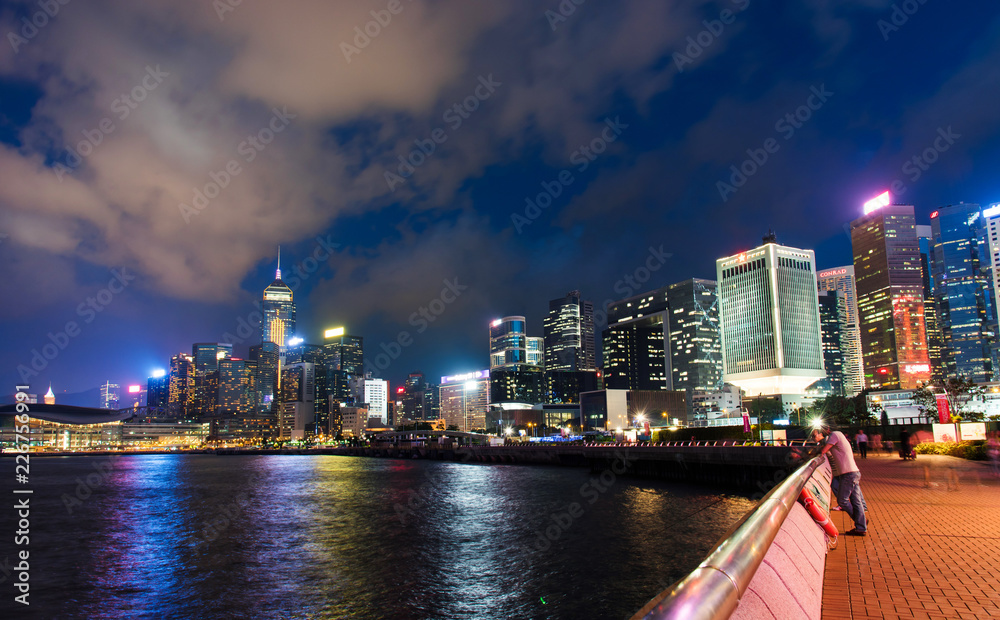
(87, 398)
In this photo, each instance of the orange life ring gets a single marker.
(817, 513)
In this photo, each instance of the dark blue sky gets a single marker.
(212, 86)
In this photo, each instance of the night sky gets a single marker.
(304, 120)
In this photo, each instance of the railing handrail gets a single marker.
(714, 589)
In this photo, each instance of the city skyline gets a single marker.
(450, 367)
(554, 166)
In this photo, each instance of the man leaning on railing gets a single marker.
(846, 475)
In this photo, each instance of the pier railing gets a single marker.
(714, 589)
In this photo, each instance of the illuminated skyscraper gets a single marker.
(769, 314)
(508, 342)
(377, 397)
(516, 364)
(50, 397)
(890, 296)
(279, 311)
(158, 389)
(267, 358)
(695, 339)
(465, 400)
(636, 355)
(569, 334)
(841, 280)
(343, 360)
(237, 387)
(297, 415)
(109, 395)
(991, 215)
(832, 314)
(963, 292)
(934, 340)
(207, 356)
(182, 392)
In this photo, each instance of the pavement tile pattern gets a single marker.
(933, 543)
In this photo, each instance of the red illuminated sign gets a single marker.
(832, 272)
(934, 215)
(883, 371)
(399, 390)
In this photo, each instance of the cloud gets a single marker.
(224, 75)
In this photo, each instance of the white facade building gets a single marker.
(769, 314)
(377, 397)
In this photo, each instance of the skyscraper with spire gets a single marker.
(279, 311)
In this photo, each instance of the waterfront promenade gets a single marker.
(933, 544)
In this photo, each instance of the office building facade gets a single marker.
(769, 314)
(569, 334)
(832, 316)
(841, 280)
(695, 344)
(890, 296)
(267, 358)
(934, 339)
(963, 293)
(635, 343)
(278, 308)
(110, 395)
(182, 378)
(158, 390)
(465, 399)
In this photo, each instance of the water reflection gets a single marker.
(184, 536)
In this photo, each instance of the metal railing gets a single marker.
(714, 589)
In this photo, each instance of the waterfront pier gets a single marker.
(933, 543)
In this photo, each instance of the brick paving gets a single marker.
(933, 543)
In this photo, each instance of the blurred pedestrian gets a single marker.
(862, 440)
(876, 443)
(904, 444)
(993, 452)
